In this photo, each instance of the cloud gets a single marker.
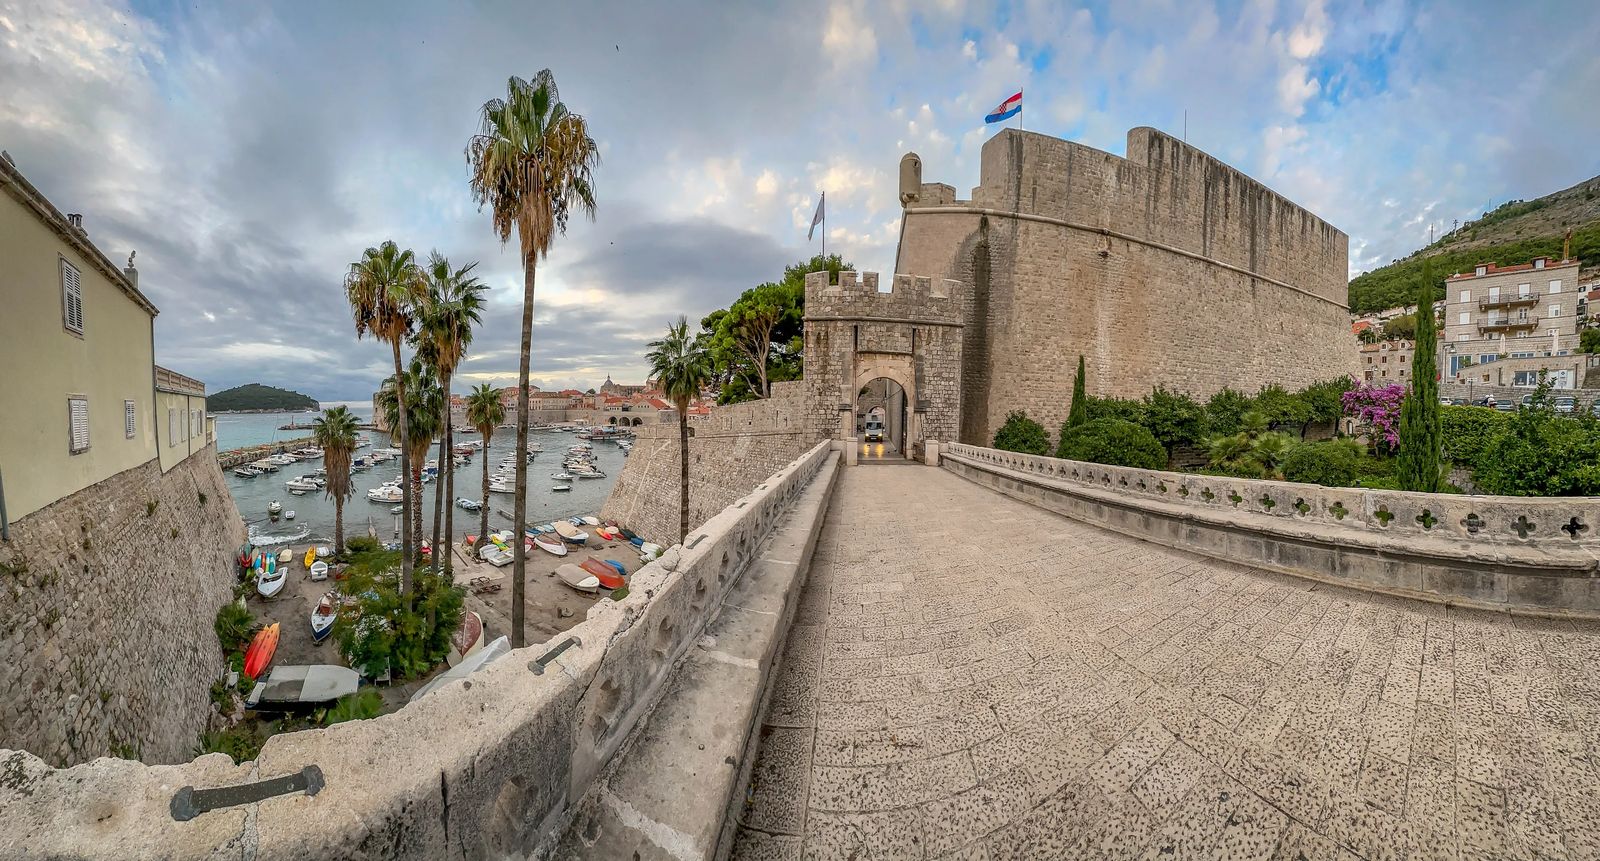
(250, 153)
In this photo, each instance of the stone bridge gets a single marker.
(1006, 657)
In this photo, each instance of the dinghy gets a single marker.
(589, 520)
(294, 687)
(499, 557)
(608, 577)
(469, 504)
(270, 581)
(323, 616)
(262, 648)
(578, 578)
(319, 570)
(274, 507)
(311, 556)
(467, 639)
(550, 544)
(560, 488)
(288, 515)
(621, 571)
(286, 556)
(569, 533)
(324, 552)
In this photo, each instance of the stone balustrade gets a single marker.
(489, 768)
(1517, 553)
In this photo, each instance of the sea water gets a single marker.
(238, 430)
(314, 512)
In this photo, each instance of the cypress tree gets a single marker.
(1419, 465)
(1079, 413)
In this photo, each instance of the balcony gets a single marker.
(1490, 326)
(1507, 301)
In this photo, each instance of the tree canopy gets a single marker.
(766, 321)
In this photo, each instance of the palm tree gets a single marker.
(455, 303)
(335, 433)
(681, 368)
(422, 407)
(485, 411)
(384, 288)
(532, 164)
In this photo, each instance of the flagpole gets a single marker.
(823, 202)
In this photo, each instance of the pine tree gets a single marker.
(1079, 413)
(1419, 465)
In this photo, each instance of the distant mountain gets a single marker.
(254, 397)
(1513, 233)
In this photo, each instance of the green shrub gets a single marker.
(364, 704)
(1282, 408)
(1224, 410)
(1022, 434)
(1331, 463)
(234, 626)
(380, 630)
(1468, 431)
(1112, 441)
(1115, 408)
(1541, 453)
(242, 742)
(1589, 341)
(1173, 419)
(361, 544)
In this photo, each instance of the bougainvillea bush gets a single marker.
(1379, 408)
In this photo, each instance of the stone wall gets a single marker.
(1536, 555)
(492, 767)
(1166, 266)
(732, 450)
(107, 599)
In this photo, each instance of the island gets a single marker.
(258, 398)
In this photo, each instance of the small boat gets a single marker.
(480, 659)
(388, 493)
(398, 509)
(303, 484)
(469, 504)
(262, 648)
(319, 570)
(559, 488)
(324, 552)
(550, 544)
(592, 473)
(586, 520)
(561, 476)
(288, 515)
(621, 571)
(311, 556)
(246, 556)
(607, 533)
(570, 533)
(499, 487)
(323, 616)
(578, 578)
(499, 557)
(605, 574)
(467, 639)
(274, 507)
(286, 556)
(287, 688)
(271, 580)
(246, 472)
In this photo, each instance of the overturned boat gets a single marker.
(302, 687)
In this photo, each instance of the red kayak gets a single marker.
(259, 656)
(607, 575)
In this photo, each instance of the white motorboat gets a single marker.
(590, 473)
(398, 509)
(324, 552)
(558, 488)
(469, 504)
(578, 578)
(304, 484)
(569, 533)
(502, 487)
(323, 616)
(561, 476)
(246, 472)
(288, 515)
(388, 494)
(549, 544)
(495, 556)
(274, 507)
(588, 520)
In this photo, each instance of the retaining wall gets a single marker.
(489, 768)
(731, 451)
(107, 599)
(1539, 555)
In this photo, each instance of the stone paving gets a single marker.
(972, 678)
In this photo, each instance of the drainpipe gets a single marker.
(5, 522)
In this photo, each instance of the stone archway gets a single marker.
(882, 420)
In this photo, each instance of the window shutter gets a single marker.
(71, 298)
(172, 426)
(78, 417)
(128, 421)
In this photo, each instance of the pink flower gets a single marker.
(1379, 407)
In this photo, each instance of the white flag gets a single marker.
(816, 219)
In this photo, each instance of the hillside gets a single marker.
(256, 397)
(1513, 233)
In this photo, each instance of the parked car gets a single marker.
(1485, 401)
(1594, 408)
(1527, 400)
(1504, 406)
(1566, 405)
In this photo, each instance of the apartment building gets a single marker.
(1385, 362)
(1523, 314)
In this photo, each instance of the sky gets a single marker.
(250, 152)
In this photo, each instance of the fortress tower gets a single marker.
(1166, 267)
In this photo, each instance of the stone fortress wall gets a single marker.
(107, 599)
(856, 333)
(731, 451)
(1165, 267)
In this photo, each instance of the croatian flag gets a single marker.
(1007, 109)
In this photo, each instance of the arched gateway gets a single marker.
(910, 335)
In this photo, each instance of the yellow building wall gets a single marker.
(187, 432)
(42, 363)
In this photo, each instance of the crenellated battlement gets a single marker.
(861, 295)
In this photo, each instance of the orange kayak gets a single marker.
(608, 576)
(259, 656)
